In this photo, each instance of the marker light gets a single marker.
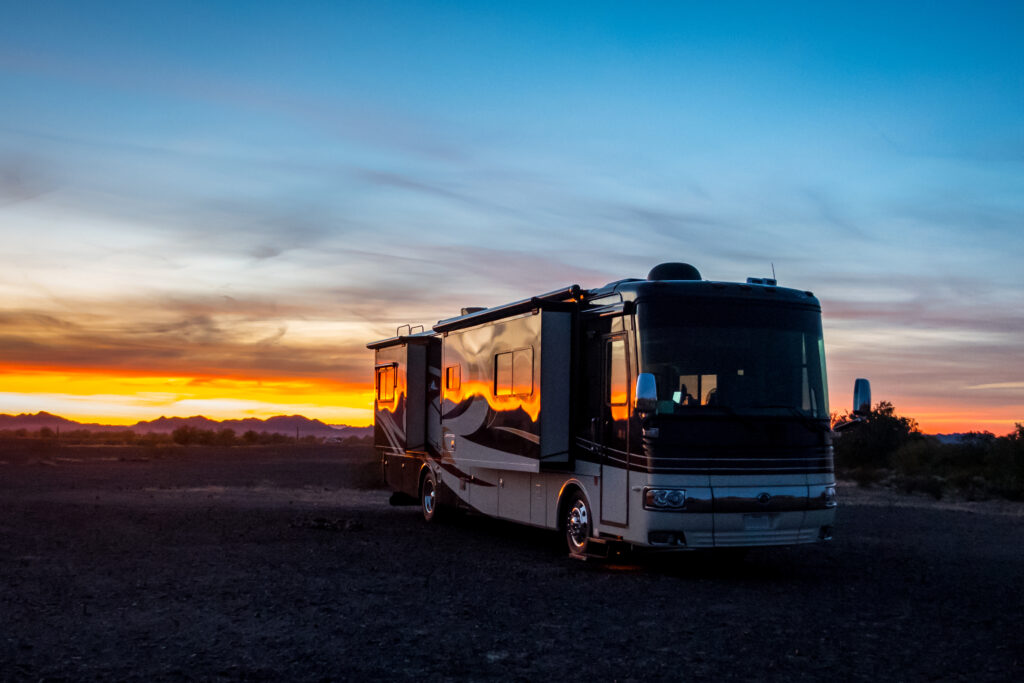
(829, 496)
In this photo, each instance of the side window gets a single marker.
(453, 377)
(513, 373)
(522, 371)
(618, 385)
(386, 383)
(503, 374)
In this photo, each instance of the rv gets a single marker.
(669, 412)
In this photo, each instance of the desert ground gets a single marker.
(289, 563)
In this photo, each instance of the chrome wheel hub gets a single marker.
(428, 498)
(578, 525)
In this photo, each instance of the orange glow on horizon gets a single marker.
(936, 420)
(120, 397)
(935, 417)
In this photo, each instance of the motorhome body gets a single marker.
(670, 412)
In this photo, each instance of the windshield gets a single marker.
(734, 355)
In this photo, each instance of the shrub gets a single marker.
(874, 442)
(979, 465)
(185, 435)
(926, 483)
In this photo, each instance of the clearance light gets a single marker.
(664, 499)
(829, 496)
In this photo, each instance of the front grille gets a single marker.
(748, 538)
(805, 461)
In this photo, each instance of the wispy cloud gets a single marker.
(192, 211)
(347, 118)
(180, 342)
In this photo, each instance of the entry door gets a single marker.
(615, 432)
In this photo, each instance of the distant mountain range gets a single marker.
(956, 438)
(280, 424)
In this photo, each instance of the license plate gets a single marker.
(758, 522)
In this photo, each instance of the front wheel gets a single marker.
(428, 497)
(578, 527)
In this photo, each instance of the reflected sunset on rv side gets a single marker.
(195, 224)
(484, 391)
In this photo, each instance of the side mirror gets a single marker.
(861, 397)
(646, 393)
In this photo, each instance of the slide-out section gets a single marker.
(506, 395)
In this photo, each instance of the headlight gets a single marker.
(664, 499)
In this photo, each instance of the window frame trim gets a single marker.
(393, 366)
(448, 375)
(609, 340)
(512, 393)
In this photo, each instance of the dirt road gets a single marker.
(265, 565)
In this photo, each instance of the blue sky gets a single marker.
(261, 187)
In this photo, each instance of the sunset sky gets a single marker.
(210, 207)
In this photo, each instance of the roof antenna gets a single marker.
(773, 272)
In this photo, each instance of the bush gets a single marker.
(874, 442)
(926, 483)
(184, 435)
(865, 476)
(225, 437)
(978, 466)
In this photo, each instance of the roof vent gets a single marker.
(466, 310)
(674, 271)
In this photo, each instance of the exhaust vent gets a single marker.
(674, 271)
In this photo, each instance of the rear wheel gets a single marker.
(428, 497)
(578, 527)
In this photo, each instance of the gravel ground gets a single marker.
(269, 564)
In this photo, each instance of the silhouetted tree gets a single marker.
(184, 435)
(225, 437)
(873, 442)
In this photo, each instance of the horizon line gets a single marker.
(119, 423)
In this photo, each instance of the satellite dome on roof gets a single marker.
(674, 271)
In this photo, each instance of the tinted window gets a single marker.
(453, 377)
(522, 371)
(513, 372)
(744, 356)
(618, 373)
(386, 383)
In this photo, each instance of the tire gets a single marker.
(428, 497)
(577, 524)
